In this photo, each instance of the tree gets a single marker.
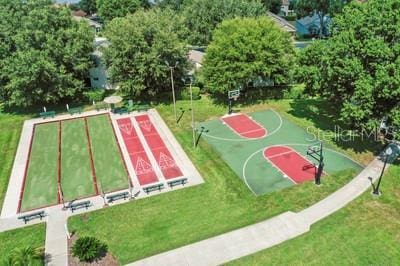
(109, 9)
(88, 248)
(202, 16)
(24, 256)
(321, 8)
(44, 53)
(273, 5)
(245, 50)
(173, 4)
(358, 68)
(89, 6)
(140, 45)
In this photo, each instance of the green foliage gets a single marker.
(88, 249)
(109, 9)
(94, 95)
(272, 5)
(89, 6)
(358, 69)
(185, 93)
(29, 256)
(140, 46)
(202, 16)
(172, 4)
(246, 50)
(44, 53)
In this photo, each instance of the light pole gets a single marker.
(388, 152)
(172, 85)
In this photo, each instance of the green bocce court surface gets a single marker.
(245, 156)
(77, 178)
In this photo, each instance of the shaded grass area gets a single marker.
(42, 176)
(152, 225)
(366, 232)
(10, 130)
(76, 171)
(28, 236)
(110, 169)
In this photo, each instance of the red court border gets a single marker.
(279, 169)
(239, 134)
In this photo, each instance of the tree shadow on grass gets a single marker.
(325, 116)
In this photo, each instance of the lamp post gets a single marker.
(388, 152)
(172, 85)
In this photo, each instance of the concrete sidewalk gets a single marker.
(250, 239)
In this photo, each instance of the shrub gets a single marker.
(185, 93)
(94, 95)
(88, 249)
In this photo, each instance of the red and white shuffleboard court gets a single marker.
(151, 152)
(244, 126)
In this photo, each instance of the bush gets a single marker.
(96, 95)
(88, 249)
(185, 93)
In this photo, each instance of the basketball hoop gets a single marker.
(232, 95)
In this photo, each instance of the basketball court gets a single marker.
(268, 152)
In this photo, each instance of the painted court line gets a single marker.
(291, 163)
(139, 159)
(164, 159)
(244, 126)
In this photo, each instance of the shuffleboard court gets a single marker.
(291, 163)
(139, 159)
(110, 169)
(76, 166)
(244, 126)
(41, 178)
(165, 161)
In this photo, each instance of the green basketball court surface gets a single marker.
(80, 155)
(246, 156)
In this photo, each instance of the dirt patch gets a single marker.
(107, 260)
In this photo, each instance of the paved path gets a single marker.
(250, 239)
(56, 247)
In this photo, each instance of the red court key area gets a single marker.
(165, 161)
(139, 159)
(291, 163)
(244, 126)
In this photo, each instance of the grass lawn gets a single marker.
(152, 225)
(76, 170)
(110, 169)
(10, 130)
(42, 176)
(366, 232)
(28, 236)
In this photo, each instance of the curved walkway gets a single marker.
(253, 238)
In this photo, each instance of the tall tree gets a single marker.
(44, 53)
(202, 16)
(273, 5)
(321, 8)
(173, 4)
(140, 46)
(89, 6)
(109, 9)
(358, 68)
(245, 50)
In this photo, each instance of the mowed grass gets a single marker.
(110, 169)
(223, 203)
(19, 238)
(366, 232)
(10, 130)
(76, 169)
(42, 175)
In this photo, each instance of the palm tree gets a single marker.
(26, 256)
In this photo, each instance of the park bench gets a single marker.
(79, 205)
(75, 110)
(153, 188)
(121, 110)
(114, 197)
(47, 114)
(101, 106)
(181, 181)
(143, 107)
(32, 215)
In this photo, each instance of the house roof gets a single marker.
(196, 56)
(309, 20)
(283, 23)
